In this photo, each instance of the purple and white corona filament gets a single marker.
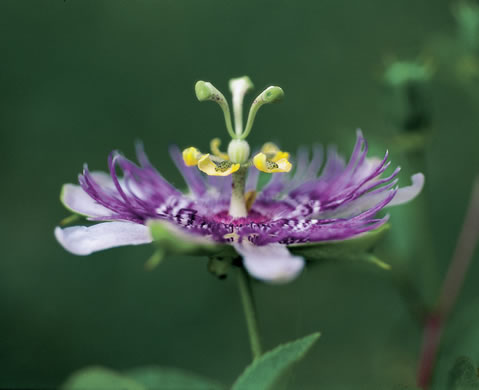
(322, 199)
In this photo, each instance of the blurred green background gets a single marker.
(79, 78)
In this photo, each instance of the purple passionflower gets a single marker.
(225, 208)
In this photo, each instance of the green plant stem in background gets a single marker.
(450, 289)
(417, 241)
(412, 242)
(244, 284)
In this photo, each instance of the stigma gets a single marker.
(236, 160)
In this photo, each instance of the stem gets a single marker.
(450, 289)
(238, 203)
(246, 293)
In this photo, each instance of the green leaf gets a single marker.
(358, 248)
(163, 378)
(463, 375)
(461, 338)
(265, 371)
(99, 378)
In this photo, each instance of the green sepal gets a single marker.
(70, 219)
(155, 259)
(355, 249)
(265, 371)
(100, 378)
(463, 375)
(170, 240)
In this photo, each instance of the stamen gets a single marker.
(239, 87)
(249, 198)
(262, 163)
(214, 166)
(273, 153)
(270, 165)
(191, 156)
(222, 166)
(215, 149)
(206, 91)
(269, 95)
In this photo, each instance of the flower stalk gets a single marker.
(246, 293)
(451, 287)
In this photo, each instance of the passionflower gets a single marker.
(225, 214)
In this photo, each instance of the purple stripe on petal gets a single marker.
(316, 162)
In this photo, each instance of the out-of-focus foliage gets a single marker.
(100, 378)
(262, 373)
(265, 371)
(80, 78)
(463, 375)
(153, 377)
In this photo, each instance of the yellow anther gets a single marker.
(191, 156)
(262, 163)
(273, 153)
(214, 166)
(215, 149)
(249, 198)
(280, 156)
(269, 148)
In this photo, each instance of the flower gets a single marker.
(226, 209)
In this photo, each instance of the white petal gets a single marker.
(357, 206)
(369, 165)
(271, 263)
(408, 193)
(75, 199)
(82, 240)
(78, 201)
(368, 201)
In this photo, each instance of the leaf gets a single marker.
(463, 375)
(461, 338)
(99, 378)
(358, 248)
(265, 371)
(163, 378)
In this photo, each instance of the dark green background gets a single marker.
(82, 77)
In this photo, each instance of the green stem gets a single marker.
(246, 293)
(237, 202)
